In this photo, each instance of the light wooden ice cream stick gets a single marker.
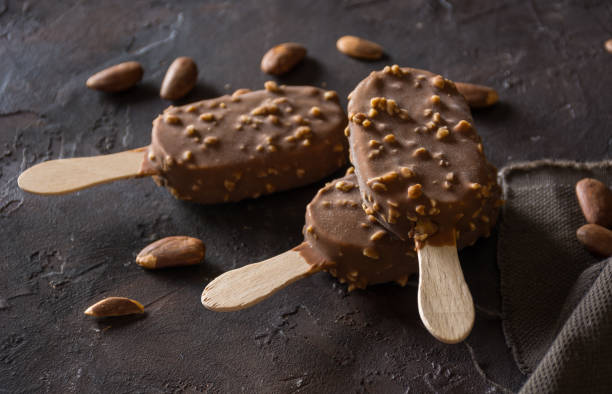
(69, 175)
(246, 286)
(445, 303)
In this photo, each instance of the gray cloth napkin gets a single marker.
(556, 297)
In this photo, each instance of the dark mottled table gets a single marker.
(60, 254)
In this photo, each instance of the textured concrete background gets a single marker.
(60, 254)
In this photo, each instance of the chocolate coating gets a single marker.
(248, 144)
(419, 162)
(342, 241)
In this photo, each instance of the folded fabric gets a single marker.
(556, 297)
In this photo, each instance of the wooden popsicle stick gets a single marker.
(69, 175)
(246, 286)
(445, 303)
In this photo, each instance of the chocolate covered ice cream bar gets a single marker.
(342, 239)
(228, 148)
(423, 175)
(418, 159)
(339, 238)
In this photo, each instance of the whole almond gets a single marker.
(116, 78)
(359, 48)
(608, 45)
(595, 200)
(171, 252)
(180, 78)
(282, 58)
(115, 306)
(597, 239)
(477, 96)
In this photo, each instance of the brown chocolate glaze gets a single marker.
(247, 144)
(342, 240)
(419, 162)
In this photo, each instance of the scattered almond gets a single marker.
(282, 58)
(608, 45)
(115, 306)
(116, 78)
(180, 78)
(171, 252)
(359, 48)
(597, 239)
(595, 200)
(477, 96)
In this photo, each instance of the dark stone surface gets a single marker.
(58, 255)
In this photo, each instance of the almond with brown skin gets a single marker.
(359, 48)
(116, 78)
(597, 239)
(595, 200)
(180, 78)
(477, 96)
(282, 58)
(171, 252)
(115, 306)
